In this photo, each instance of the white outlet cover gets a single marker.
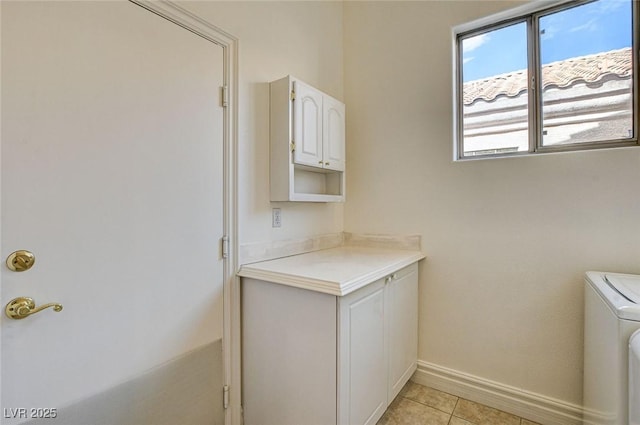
(276, 217)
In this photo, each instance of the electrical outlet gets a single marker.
(276, 217)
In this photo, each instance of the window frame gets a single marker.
(531, 14)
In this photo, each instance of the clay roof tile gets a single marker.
(588, 69)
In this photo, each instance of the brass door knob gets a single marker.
(21, 307)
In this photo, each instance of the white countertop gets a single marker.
(335, 271)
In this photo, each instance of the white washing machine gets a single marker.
(612, 315)
(634, 379)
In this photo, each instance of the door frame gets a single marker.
(231, 285)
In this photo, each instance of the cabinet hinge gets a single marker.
(293, 146)
(293, 95)
(225, 247)
(225, 396)
(225, 96)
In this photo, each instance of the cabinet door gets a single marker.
(307, 125)
(288, 355)
(333, 134)
(362, 356)
(402, 303)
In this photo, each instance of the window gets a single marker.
(562, 78)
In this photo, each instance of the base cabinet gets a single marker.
(313, 358)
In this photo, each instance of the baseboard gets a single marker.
(535, 407)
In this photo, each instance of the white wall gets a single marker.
(507, 240)
(303, 39)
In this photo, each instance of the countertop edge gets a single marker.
(315, 285)
(329, 287)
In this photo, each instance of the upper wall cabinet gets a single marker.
(307, 139)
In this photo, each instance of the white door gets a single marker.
(112, 176)
(307, 125)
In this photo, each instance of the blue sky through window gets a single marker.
(591, 28)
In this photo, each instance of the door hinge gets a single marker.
(293, 146)
(225, 247)
(293, 95)
(225, 96)
(225, 396)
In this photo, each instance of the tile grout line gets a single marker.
(454, 408)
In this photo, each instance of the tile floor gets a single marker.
(420, 405)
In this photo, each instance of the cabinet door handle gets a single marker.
(326, 163)
(387, 280)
